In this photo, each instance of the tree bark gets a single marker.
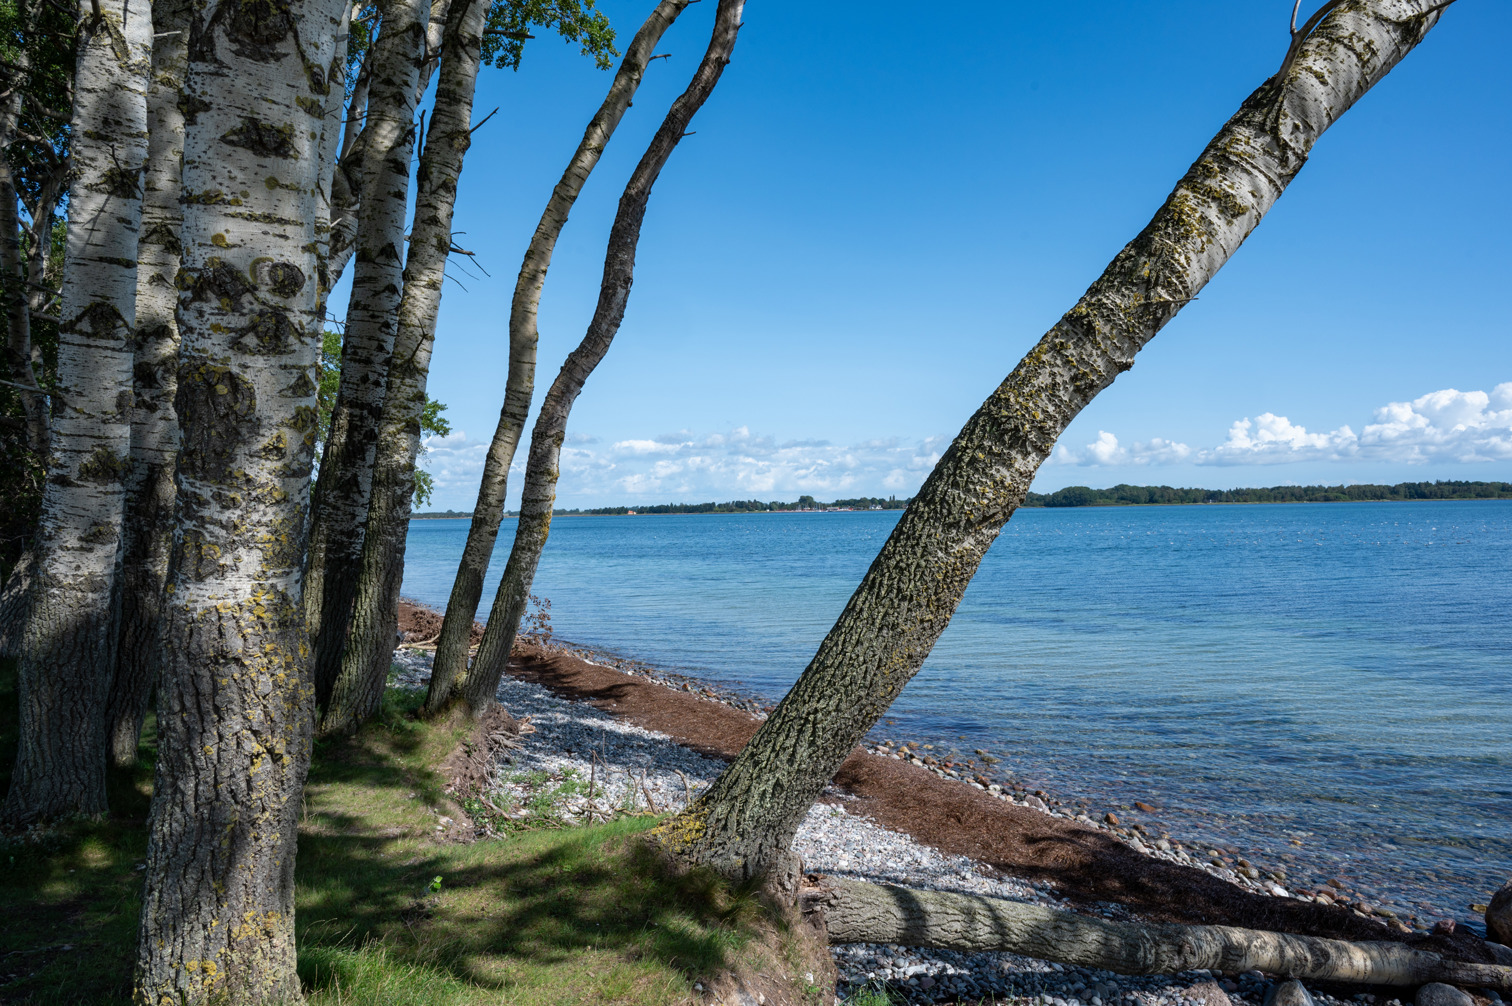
(542, 469)
(14, 272)
(368, 654)
(467, 590)
(67, 649)
(331, 131)
(341, 494)
(858, 912)
(14, 597)
(147, 536)
(742, 826)
(235, 699)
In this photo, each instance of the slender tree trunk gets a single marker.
(368, 654)
(467, 590)
(858, 912)
(330, 142)
(341, 495)
(14, 272)
(743, 825)
(67, 649)
(346, 191)
(542, 469)
(148, 532)
(235, 699)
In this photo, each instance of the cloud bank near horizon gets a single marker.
(1442, 427)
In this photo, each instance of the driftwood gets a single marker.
(857, 912)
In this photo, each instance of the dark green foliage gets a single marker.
(1127, 495)
(510, 21)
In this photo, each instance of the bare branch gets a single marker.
(479, 126)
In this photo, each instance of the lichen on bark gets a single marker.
(743, 825)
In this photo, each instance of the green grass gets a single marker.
(387, 913)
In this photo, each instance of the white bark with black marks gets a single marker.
(341, 495)
(859, 912)
(369, 650)
(743, 825)
(235, 699)
(467, 590)
(67, 651)
(542, 469)
(148, 531)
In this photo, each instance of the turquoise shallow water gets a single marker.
(1334, 674)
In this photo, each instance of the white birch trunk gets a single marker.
(67, 651)
(467, 589)
(235, 706)
(369, 651)
(858, 912)
(542, 470)
(371, 323)
(743, 825)
(148, 532)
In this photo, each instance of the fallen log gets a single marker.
(858, 912)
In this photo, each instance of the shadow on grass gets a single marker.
(70, 893)
(388, 914)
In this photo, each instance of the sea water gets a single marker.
(1319, 686)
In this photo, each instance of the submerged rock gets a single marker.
(1289, 993)
(1439, 994)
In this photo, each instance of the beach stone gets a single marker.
(1207, 993)
(1499, 915)
(1290, 993)
(1439, 994)
(1501, 952)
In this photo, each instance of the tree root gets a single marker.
(857, 912)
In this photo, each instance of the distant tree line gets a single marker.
(1127, 495)
(1071, 496)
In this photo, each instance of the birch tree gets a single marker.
(372, 319)
(743, 825)
(67, 651)
(148, 531)
(542, 468)
(467, 590)
(365, 660)
(235, 706)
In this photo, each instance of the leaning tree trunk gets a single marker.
(341, 494)
(368, 654)
(743, 825)
(235, 699)
(467, 590)
(858, 912)
(542, 469)
(67, 648)
(147, 537)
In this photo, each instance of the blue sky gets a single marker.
(881, 212)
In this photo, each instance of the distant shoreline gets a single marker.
(1075, 497)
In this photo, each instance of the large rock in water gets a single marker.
(1499, 916)
(1288, 993)
(1439, 994)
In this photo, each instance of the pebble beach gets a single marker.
(588, 763)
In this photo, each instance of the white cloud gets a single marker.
(1107, 451)
(685, 466)
(1442, 426)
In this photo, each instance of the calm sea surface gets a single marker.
(1324, 686)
